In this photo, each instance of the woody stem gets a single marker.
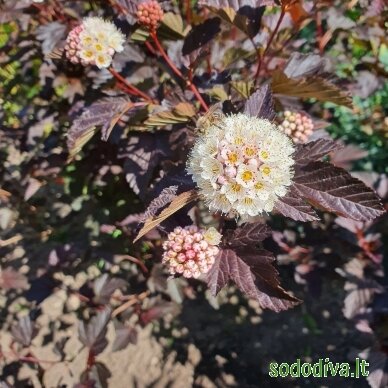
(129, 87)
(189, 83)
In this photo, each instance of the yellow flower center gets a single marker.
(215, 168)
(88, 40)
(248, 201)
(264, 154)
(266, 170)
(238, 140)
(98, 47)
(259, 186)
(247, 176)
(232, 157)
(236, 187)
(249, 151)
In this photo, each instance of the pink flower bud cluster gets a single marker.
(73, 45)
(187, 252)
(149, 14)
(297, 125)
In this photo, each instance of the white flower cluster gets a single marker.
(242, 165)
(94, 42)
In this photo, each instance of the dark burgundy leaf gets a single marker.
(93, 334)
(304, 65)
(104, 288)
(254, 274)
(260, 104)
(201, 34)
(249, 234)
(9, 278)
(360, 294)
(41, 288)
(378, 367)
(50, 34)
(315, 150)
(142, 154)
(236, 4)
(248, 19)
(317, 87)
(125, 335)
(163, 199)
(293, 206)
(347, 155)
(336, 190)
(101, 113)
(157, 311)
(24, 331)
(95, 377)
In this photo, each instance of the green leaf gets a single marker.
(172, 27)
(140, 35)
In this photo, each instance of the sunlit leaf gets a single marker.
(177, 203)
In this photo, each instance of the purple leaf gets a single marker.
(315, 150)
(378, 367)
(304, 65)
(249, 234)
(104, 288)
(201, 34)
(260, 104)
(102, 113)
(254, 274)
(360, 294)
(24, 331)
(157, 311)
(50, 34)
(236, 4)
(336, 190)
(93, 334)
(375, 8)
(347, 155)
(293, 206)
(163, 199)
(125, 335)
(95, 376)
(142, 154)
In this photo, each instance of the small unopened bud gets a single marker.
(297, 125)
(149, 14)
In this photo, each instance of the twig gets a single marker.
(129, 87)
(136, 261)
(189, 83)
(12, 240)
(274, 32)
(129, 303)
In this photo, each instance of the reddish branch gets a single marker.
(271, 38)
(189, 83)
(129, 87)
